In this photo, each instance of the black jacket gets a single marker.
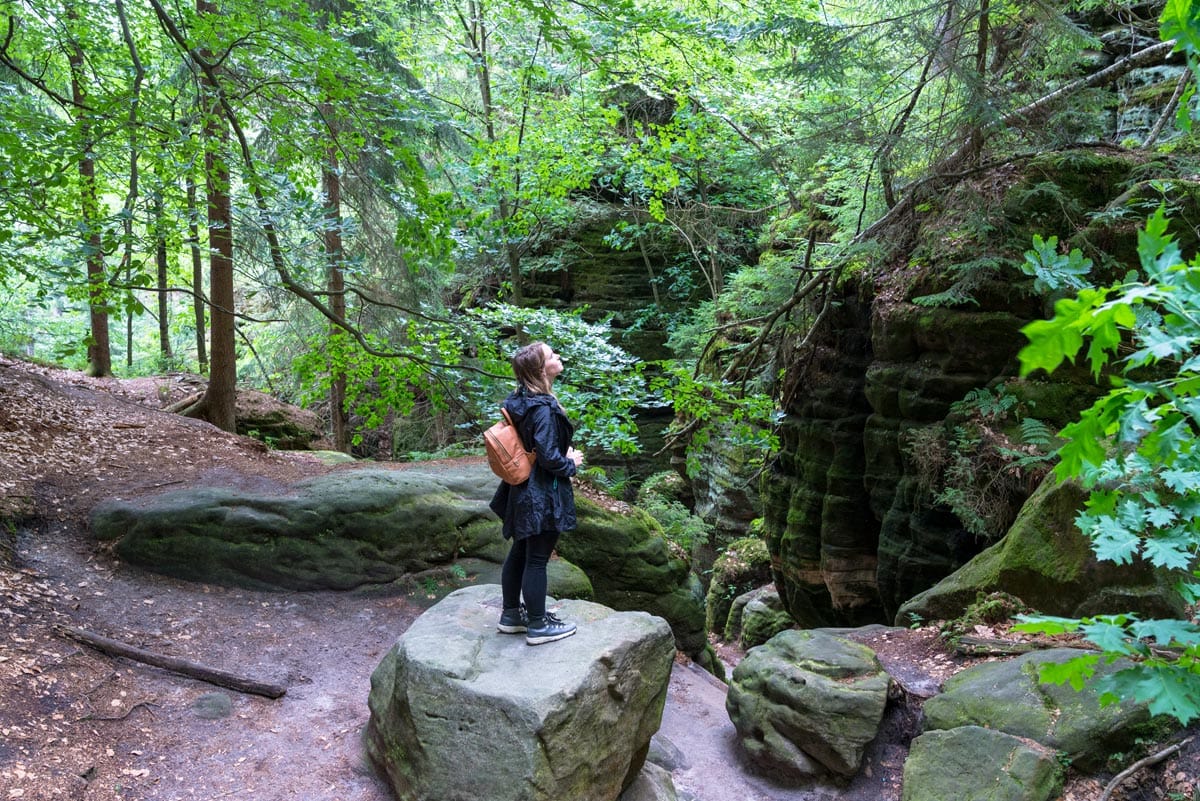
(546, 501)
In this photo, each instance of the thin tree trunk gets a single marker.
(199, 303)
(975, 142)
(331, 183)
(99, 352)
(477, 39)
(161, 262)
(139, 74)
(220, 400)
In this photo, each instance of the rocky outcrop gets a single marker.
(338, 531)
(280, 425)
(459, 711)
(373, 527)
(944, 765)
(1008, 697)
(744, 566)
(850, 517)
(1048, 564)
(806, 704)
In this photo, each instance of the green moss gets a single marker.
(743, 566)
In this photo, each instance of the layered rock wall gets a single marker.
(851, 520)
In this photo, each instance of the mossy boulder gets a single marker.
(1007, 696)
(743, 566)
(763, 616)
(459, 711)
(1046, 562)
(280, 425)
(806, 704)
(339, 531)
(632, 566)
(971, 762)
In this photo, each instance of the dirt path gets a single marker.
(176, 738)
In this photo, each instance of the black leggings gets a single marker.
(524, 572)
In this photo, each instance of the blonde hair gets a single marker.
(529, 367)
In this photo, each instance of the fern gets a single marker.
(957, 295)
(1036, 433)
(971, 274)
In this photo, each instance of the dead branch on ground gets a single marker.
(184, 667)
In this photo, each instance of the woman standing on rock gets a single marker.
(536, 512)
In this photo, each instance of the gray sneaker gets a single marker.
(513, 621)
(547, 629)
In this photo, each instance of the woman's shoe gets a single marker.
(547, 629)
(513, 621)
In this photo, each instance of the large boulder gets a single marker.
(361, 527)
(338, 531)
(1046, 562)
(806, 704)
(1007, 696)
(280, 425)
(763, 616)
(976, 764)
(632, 566)
(460, 711)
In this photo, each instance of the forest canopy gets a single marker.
(364, 206)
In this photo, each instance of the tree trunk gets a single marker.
(477, 39)
(131, 197)
(198, 299)
(161, 262)
(331, 183)
(99, 352)
(220, 400)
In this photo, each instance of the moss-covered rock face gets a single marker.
(744, 566)
(852, 525)
(1047, 563)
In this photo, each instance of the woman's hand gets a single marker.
(575, 456)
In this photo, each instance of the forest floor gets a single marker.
(77, 724)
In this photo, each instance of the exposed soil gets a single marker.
(77, 724)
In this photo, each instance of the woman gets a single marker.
(536, 512)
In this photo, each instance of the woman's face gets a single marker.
(552, 365)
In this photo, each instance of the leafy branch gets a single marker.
(1137, 450)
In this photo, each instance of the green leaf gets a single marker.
(1167, 632)
(1173, 552)
(1179, 21)
(1074, 671)
(1167, 689)
(1108, 637)
(1046, 624)
(1106, 328)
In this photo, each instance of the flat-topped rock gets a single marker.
(462, 712)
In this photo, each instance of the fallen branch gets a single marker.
(194, 670)
(1153, 759)
(988, 646)
(180, 406)
(128, 712)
